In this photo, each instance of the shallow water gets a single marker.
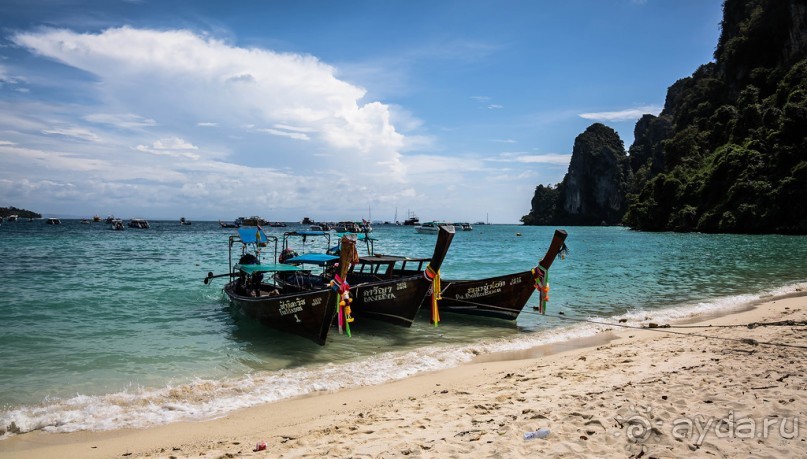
(104, 329)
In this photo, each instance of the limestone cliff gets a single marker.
(726, 154)
(593, 190)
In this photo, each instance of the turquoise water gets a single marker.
(105, 329)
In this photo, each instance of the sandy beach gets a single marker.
(731, 391)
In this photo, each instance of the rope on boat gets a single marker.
(666, 329)
(485, 305)
(781, 323)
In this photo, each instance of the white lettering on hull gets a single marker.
(378, 294)
(488, 289)
(294, 306)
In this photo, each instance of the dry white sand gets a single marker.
(629, 393)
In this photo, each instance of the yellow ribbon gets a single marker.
(436, 292)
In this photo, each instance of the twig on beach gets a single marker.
(747, 351)
(469, 432)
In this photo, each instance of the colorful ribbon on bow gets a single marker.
(343, 299)
(541, 276)
(434, 277)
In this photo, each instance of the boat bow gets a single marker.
(541, 272)
(432, 272)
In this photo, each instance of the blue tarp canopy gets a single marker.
(251, 235)
(313, 258)
(267, 268)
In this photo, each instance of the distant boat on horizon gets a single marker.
(254, 220)
(411, 219)
(486, 222)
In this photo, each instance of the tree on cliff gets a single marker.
(544, 205)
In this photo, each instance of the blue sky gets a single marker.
(335, 110)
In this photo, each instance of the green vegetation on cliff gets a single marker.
(735, 159)
(729, 152)
(22, 213)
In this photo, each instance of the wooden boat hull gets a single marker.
(306, 313)
(395, 301)
(396, 294)
(501, 297)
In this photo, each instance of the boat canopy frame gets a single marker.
(257, 239)
(388, 266)
(304, 235)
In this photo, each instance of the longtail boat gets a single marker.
(381, 287)
(392, 288)
(308, 313)
(503, 296)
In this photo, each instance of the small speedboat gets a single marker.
(430, 227)
(139, 223)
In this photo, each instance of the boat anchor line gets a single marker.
(490, 306)
(383, 314)
(666, 329)
(781, 323)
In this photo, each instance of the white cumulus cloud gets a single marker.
(149, 91)
(162, 73)
(623, 115)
